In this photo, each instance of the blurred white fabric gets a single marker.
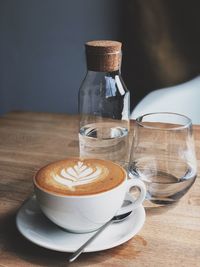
(183, 98)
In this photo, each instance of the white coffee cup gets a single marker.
(87, 213)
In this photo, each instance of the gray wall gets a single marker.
(42, 60)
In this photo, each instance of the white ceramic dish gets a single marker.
(38, 229)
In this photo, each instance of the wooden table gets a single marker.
(170, 236)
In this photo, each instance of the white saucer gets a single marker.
(37, 228)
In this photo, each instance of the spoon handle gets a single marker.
(80, 250)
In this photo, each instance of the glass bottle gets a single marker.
(104, 104)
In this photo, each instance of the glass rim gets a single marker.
(187, 124)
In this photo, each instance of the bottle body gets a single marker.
(104, 106)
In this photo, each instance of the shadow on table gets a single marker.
(154, 209)
(15, 244)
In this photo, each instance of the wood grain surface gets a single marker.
(170, 236)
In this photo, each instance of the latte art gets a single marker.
(77, 175)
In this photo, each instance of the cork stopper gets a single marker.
(103, 55)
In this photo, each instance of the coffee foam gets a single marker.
(79, 174)
(76, 176)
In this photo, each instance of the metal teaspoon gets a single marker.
(117, 218)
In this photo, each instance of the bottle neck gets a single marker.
(102, 73)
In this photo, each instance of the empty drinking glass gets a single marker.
(163, 156)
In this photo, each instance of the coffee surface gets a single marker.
(75, 176)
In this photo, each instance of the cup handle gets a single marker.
(134, 203)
